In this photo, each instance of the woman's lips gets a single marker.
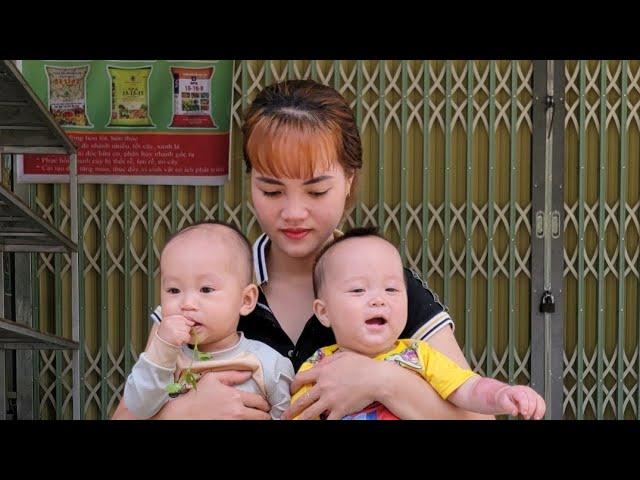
(296, 233)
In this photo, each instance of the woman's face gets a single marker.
(299, 215)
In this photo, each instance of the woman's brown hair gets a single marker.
(294, 127)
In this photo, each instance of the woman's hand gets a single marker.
(344, 383)
(216, 399)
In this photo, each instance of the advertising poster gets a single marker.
(153, 122)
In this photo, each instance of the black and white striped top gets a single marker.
(425, 317)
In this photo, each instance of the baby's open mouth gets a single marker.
(376, 321)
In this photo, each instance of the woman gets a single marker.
(303, 152)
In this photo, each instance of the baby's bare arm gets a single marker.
(486, 395)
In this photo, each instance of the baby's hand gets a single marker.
(522, 400)
(175, 329)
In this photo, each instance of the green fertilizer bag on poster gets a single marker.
(130, 97)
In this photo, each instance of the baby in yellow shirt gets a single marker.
(361, 295)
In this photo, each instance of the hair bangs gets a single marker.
(292, 149)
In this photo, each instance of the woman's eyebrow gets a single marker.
(311, 181)
(317, 179)
(270, 180)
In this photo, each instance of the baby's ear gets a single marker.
(320, 309)
(249, 299)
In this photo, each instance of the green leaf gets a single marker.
(204, 355)
(174, 388)
(190, 378)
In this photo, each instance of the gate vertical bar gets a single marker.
(490, 214)
(403, 163)
(150, 268)
(468, 339)
(290, 70)
(425, 169)
(128, 360)
(244, 215)
(513, 170)
(537, 244)
(104, 302)
(35, 312)
(57, 259)
(76, 384)
(555, 251)
(547, 260)
(622, 205)
(174, 208)
(381, 130)
(358, 199)
(197, 194)
(82, 302)
(602, 194)
(446, 246)
(267, 71)
(581, 247)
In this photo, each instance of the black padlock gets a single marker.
(548, 303)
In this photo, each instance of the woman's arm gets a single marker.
(215, 399)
